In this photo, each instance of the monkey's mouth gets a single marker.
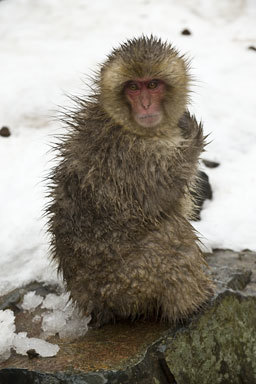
(149, 120)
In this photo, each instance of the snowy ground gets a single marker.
(46, 49)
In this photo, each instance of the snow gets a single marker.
(48, 47)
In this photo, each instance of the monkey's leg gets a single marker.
(162, 276)
(167, 275)
(187, 286)
(101, 315)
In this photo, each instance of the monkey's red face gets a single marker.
(145, 98)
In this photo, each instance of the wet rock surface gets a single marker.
(217, 345)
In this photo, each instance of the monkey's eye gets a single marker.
(132, 86)
(153, 84)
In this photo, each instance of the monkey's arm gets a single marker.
(65, 218)
(184, 162)
(194, 141)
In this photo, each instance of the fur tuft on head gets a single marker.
(144, 58)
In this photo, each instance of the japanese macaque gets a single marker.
(121, 195)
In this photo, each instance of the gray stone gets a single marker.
(219, 346)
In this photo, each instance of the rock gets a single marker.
(186, 32)
(219, 346)
(235, 270)
(240, 280)
(5, 132)
(32, 354)
(216, 345)
(210, 164)
(13, 299)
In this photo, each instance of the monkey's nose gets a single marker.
(146, 106)
(145, 100)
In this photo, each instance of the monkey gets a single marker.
(120, 196)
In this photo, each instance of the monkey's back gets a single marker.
(118, 220)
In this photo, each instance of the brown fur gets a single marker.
(120, 196)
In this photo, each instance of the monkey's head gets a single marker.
(144, 86)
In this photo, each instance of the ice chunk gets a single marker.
(53, 301)
(31, 300)
(22, 343)
(76, 325)
(7, 329)
(63, 318)
(53, 322)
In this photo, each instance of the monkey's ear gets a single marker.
(110, 76)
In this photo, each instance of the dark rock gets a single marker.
(210, 164)
(216, 345)
(240, 280)
(5, 132)
(186, 32)
(251, 47)
(32, 354)
(11, 300)
(14, 299)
